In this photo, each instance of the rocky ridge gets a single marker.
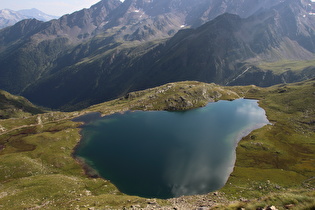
(113, 48)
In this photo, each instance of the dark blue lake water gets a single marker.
(168, 154)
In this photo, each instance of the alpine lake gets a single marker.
(165, 154)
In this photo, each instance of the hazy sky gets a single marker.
(51, 7)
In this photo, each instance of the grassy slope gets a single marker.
(273, 163)
(16, 106)
(279, 158)
(285, 65)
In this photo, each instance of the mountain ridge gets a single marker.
(55, 56)
(206, 47)
(16, 106)
(9, 17)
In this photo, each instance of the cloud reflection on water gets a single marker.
(169, 154)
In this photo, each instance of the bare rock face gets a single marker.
(179, 103)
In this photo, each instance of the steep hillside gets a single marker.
(32, 51)
(16, 106)
(30, 48)
(113, 48)
(228, 50)
(274, 167)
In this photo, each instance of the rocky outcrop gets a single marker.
(178, 103)
(178, 96)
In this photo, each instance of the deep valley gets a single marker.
(70, 64)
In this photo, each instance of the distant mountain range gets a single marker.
(116, 47)
(9, 17)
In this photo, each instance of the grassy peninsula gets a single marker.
(275, 165)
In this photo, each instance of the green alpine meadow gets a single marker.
(274, 164)
(157, 104)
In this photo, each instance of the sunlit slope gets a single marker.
(274, 166)
(16, 106)
(281, 155)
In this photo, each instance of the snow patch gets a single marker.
(6, 12)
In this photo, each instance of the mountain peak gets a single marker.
(88, 46)
(9, 17)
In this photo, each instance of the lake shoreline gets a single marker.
(91, 172)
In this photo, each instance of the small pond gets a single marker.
(168, 154)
